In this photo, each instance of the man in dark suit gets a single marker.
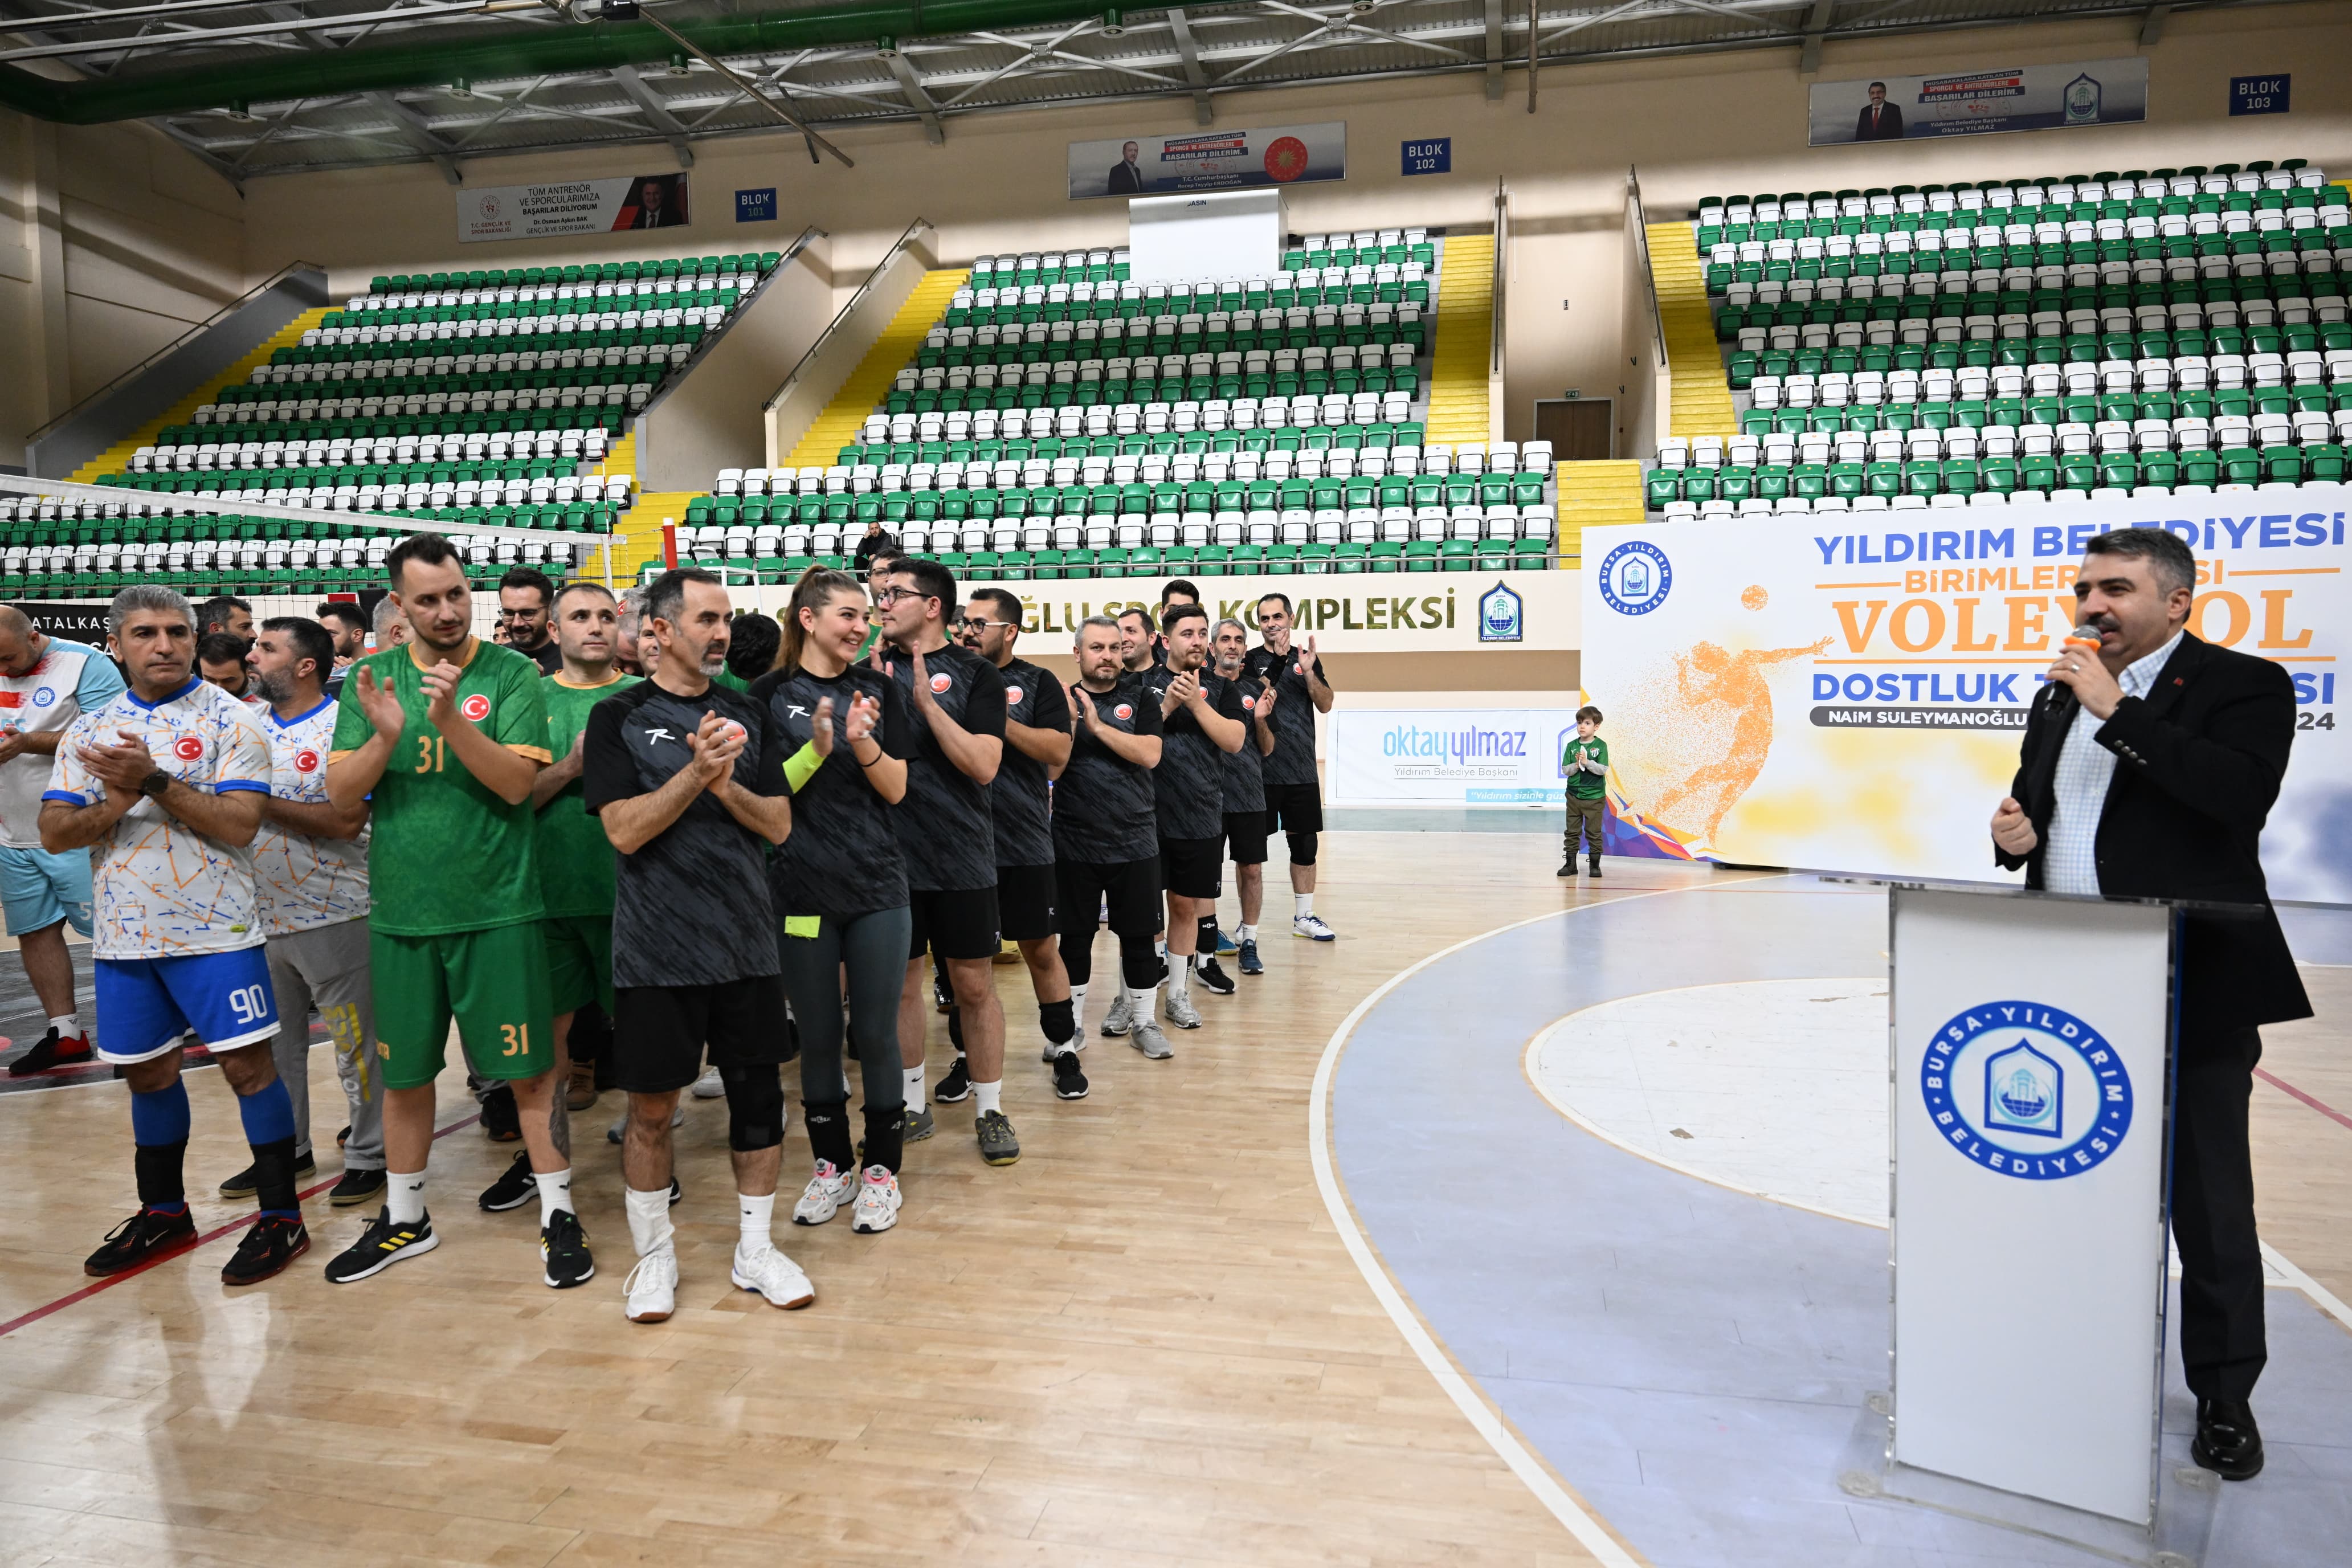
(2146, 771)
(1880, 121)
(653, 204)
(1126, 179)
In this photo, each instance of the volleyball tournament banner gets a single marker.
(573, 206)
(1973, 102)
(1210, 160)
(1848, 691)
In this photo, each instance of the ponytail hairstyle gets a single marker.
(814, 590)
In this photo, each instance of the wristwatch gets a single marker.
(153, 785)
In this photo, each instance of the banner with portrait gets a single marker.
(1974, 102)
(1847, 691)
(572, 206)
(1217, 159)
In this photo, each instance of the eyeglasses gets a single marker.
(970, 624)
(888, 596)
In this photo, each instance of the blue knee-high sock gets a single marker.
(159, 1126)
(269, 1116)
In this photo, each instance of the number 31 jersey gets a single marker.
(164, 889)
(445, 853)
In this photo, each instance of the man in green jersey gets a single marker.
(443, 738)
(575, 858)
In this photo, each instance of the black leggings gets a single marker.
(874, 949)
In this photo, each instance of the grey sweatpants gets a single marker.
(328, 965)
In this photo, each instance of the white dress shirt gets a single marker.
(2070, 864)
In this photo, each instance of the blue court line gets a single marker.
(1691, 1359)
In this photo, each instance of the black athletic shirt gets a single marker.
(691, 905)
(1188, 783)
(943, 823)
(842, 860)
(1292, 758)
(1104, 812)
(1020, 800)
(1245, 771)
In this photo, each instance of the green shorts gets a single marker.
(494, 983)
(578, 961)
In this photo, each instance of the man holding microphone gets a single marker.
(2148, 768)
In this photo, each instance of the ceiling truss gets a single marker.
(1201, 52)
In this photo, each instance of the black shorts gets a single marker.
(1025, 902)
(1193, 868)
(958, 924)
(1131, 888)
(1293, 808)
(660, 1031)
(1245, 838)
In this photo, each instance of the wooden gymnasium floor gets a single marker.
(1145, 1343)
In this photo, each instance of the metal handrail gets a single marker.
(854, 300)
(1635, 217)
(1495, 289)
(181, 341)
(710, 341)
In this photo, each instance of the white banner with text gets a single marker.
(573, 206)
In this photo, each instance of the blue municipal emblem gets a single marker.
(2026, 1090)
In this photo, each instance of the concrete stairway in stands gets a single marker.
(869, 383)
(1702, 394)
(1458, 414)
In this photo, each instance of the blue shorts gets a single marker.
(38, 889)
(146, 1005)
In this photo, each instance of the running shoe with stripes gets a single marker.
(1121, 1017)
(1211, 976)
(1148, 1039)
(878, 1202)
(650, 1295)
(956, 1087)
(1251, 963)
(824, 1195)
(269, 1244)
(149, 1233)
(381, 1246)
(1312, 928)
(564, 1245)
(773, 1276)
(998, 1146)
(1180, 1012)
(515, 1187)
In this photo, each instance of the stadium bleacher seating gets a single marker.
(2174, 331)
(1060, 420)
(473, 397)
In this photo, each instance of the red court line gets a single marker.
(111, 1280)
(2284, 1087)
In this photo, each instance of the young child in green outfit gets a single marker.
(1586, 762)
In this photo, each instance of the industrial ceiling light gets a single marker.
(461, 87)
(1113, 24)
(886, 46)
(678, 65)
(237, 111)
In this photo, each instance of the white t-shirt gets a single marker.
(71, 679)
(306, 882)
(164, 890)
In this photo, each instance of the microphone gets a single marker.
(2085, 636)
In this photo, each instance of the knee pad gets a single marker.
(1139, 966)
(1302, 848)
(1057, 1021)
(755, 1107)
(1078, 957)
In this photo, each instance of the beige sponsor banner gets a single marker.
(1372, 612)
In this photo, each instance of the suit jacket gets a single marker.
(1890, 125)
(1124, 179)
(2198, 763)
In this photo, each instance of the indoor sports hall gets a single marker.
(1767, 577)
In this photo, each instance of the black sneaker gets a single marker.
(943, 995)
(1209, 975)
(381, 1246)
(956, 1088)
(357, 1187)
(1069, 1079)
(242, 1185)
(997, 1145)
(144, 1235)
(502, 1123)
(565, 1247)
(52, 1052)
(677, 1193)
(342, 1138)
(516, 1187)
(270, 1244)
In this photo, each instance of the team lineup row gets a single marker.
(459, 838)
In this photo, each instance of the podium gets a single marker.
(2031, 1040)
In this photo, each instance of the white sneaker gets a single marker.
(1121, 1017)
(774, 1275)
(826, 1191)
(1148, 1039)
(707, 1086)
(651, 1289)
(1312, 928)
(1180, 1011)
(877, 1202)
